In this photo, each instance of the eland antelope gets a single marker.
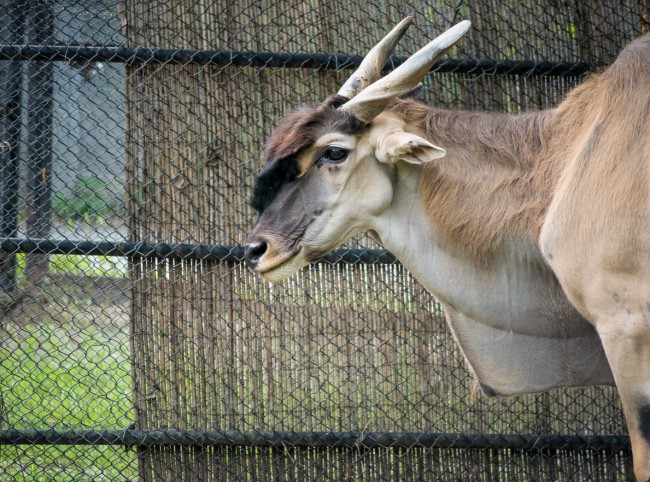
(532, 230)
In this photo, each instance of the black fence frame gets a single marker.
(360, 440)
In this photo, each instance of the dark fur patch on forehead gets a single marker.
(295, 133)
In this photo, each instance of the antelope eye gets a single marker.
(334, 154)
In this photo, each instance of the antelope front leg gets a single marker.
(626, 339)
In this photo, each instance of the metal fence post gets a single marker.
(40, 27)
(10, 121)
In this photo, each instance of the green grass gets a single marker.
(99, 266)
(71, 375)
(96, 266)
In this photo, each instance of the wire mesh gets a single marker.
(135, 343)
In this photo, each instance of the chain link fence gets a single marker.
(135, 343)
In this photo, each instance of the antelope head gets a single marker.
(329, 171)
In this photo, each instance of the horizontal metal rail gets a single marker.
(277, 59)
(366, 440)
(172, 251)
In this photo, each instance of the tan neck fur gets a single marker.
(501, 171)
(494, 183)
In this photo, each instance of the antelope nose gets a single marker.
(254, 252)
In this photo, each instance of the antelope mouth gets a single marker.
(277, 270)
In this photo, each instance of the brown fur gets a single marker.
(301, 129)
(608, 164)
(596, 236)
(502, 170)
(490, 186)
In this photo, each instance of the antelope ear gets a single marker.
(402, 146)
